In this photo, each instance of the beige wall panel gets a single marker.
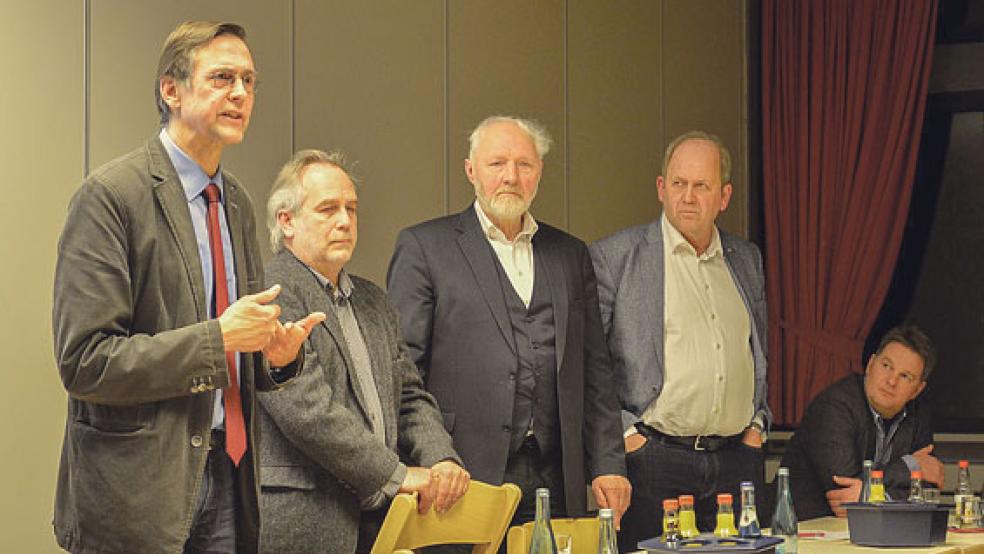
(704, 83)
(41, 155)
(614, 92)
(507, 57)
(370, 82)
(126, 40)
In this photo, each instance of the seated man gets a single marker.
(871, 417)
(329, 459)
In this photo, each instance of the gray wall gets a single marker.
(395, 84)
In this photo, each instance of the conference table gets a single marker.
(956, 543)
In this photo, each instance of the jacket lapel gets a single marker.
(371, 327)
(171, 197)
(479, 254)
(650, 257)
(557, 281)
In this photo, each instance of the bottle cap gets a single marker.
(917, 474)
(867, 463)
(963, 464)
(724, 498)
(670, 504)
(606, 513)
(877, 474)
(783, 471)
(543, 492)
(687, 500)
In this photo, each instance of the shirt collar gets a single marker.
(193, 178)
(492, 232)
(345, 284)
(882, 421)
(676, 241)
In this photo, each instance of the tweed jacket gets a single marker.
(140, 360)
(319, 456)
(629, 266)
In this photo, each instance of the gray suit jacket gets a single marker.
(629, 266)
(140, 360)
(444, 284)
(319, 456)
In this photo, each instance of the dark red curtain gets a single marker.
(843, 93)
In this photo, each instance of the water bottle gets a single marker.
(866, 482)
(606, 532)
(784, 524)
(748, 523)
(542, 541)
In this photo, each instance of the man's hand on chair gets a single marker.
(440, 486)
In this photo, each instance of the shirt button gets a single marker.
(714, 409)
(196, 441)
(717, 345)
(714, 316)
(720, 377)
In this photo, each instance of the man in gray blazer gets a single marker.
(331, 440)
(501, 316)
(683, 308)
(159, 445)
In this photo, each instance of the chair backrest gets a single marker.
(583, 532)
(480, 517)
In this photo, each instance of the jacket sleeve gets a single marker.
(832, 432)
(411, 292)
(104, 355)
(604, 447)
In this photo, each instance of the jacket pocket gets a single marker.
(290, 477)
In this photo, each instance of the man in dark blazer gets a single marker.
(500, 314)
(161, 383)
(877, 416)
(683, 309)
(329, 458)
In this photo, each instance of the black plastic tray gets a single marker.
(897, 524)
(710, 543)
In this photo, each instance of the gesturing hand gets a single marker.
(249, 323)
(288, 338)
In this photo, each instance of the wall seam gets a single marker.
(86, 85)
(662, 92)
(293, 76)
(447, 109)
(567, 121)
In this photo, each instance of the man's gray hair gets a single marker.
(724, 155)
(537, 132)
(287, 194)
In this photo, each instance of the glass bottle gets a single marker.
(748, 523)
(865, 481)
(542, 541)
(725, 517)
(877, 487)
(688, 518)
(784, 522)
(671, 521)
(606, 532)
(962, 490)
(916, 488)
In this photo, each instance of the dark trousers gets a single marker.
(213, 531)
(529, 470)
(659, 471)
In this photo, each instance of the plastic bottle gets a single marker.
(688, 518)
(784, 522)
(725, 517)
(865, 481)
(877, 487)
(916, 488)
(962, 490)
(606, 532)
(748, 523)
(542, 541)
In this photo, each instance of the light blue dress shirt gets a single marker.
(193, 181)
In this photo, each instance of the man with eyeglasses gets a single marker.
(162, 332)
(876, 416)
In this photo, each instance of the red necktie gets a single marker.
(235, 428)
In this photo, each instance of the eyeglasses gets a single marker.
(224, 79)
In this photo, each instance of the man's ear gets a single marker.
(470, 170)
(169, 93)
(286, 221)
